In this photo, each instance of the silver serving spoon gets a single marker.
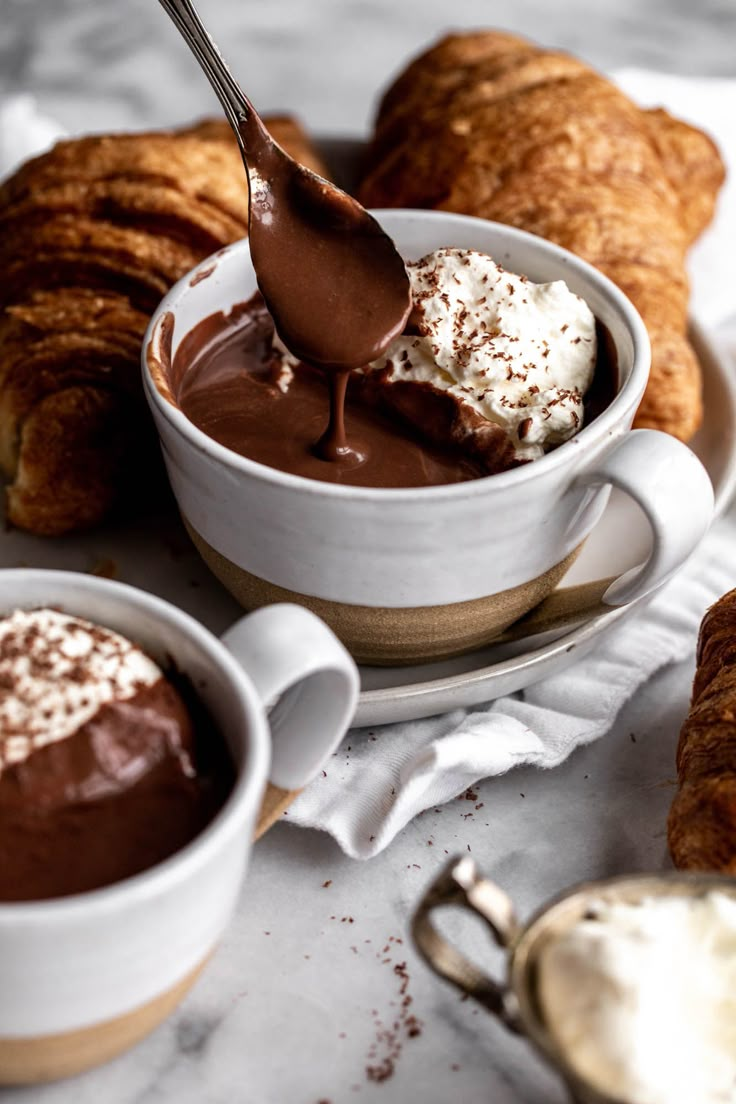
(332, 279)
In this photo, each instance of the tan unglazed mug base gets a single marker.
(381, 636)
(51, 1057)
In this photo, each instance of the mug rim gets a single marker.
(606, 423)
(195, 854)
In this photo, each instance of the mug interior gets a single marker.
(228, 278)
(176, 642)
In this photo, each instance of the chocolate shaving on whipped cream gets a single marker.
(56, 673)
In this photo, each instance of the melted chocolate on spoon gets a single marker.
(333, 282)
(332, 279)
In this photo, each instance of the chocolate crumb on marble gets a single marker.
(391, 1037)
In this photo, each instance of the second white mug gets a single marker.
(83, 977)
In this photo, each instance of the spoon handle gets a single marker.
(235, 103)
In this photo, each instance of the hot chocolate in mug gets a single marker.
(410, 574)
(83, 977)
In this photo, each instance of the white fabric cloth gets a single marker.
(24, 132)
(383, 777)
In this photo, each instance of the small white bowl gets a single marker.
(408, 574)
(84, 977)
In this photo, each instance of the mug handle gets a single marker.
(461, 885)
(300, 669)
(673, 489)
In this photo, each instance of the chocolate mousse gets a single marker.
(491, 372)
(106, 766)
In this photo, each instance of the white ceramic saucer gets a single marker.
(620, 541)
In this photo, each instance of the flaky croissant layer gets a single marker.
(701, 828)
(92, 235)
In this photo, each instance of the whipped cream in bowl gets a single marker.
(640, 997)
(626, 986)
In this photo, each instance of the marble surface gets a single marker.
(299, 1003)
(121, 64)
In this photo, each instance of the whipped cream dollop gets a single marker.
(56, 673)
(641, 998)
(521, 354)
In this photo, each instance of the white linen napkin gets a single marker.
(380, 778)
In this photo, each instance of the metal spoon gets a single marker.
(331, 277)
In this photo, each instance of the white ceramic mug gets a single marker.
(410, 574)
(85, 976)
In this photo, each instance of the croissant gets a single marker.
(491, 125)
(92, 235)
(701, 828)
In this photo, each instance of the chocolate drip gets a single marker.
(333, 445)
(226, 381)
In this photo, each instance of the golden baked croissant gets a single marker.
(701, 829)
(92, 235)
(489, 124)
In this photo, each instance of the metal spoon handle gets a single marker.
(235, 103)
